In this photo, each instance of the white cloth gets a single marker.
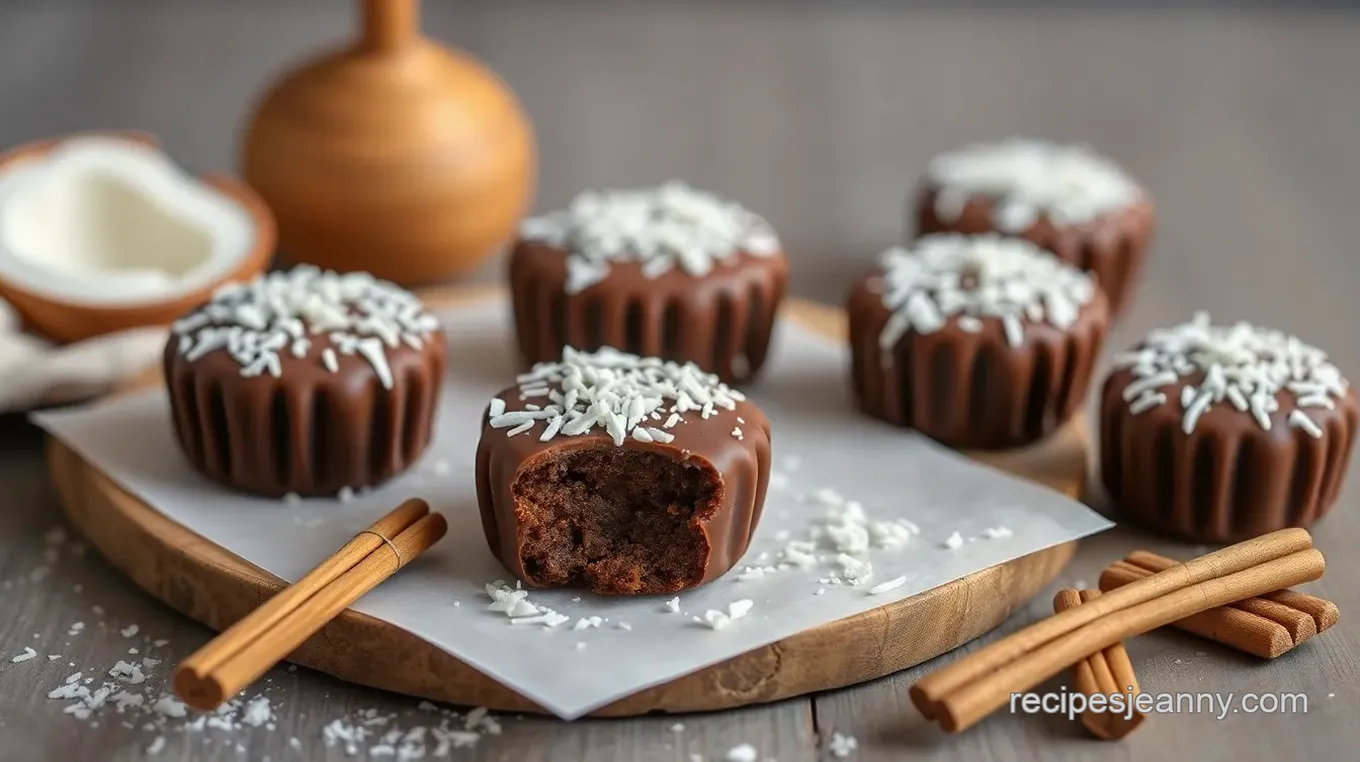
(35, 373)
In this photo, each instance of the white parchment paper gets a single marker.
(819, 442)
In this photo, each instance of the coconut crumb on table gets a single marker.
(841, 746)
(27, 654)
(743, 753)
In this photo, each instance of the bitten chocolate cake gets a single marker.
(623, 474)
(668, 272)
(1220, 433)
(1066, 199)
(305, 382)
(980, 342)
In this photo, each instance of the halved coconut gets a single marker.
(99, 233)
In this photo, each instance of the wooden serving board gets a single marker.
(215, 587)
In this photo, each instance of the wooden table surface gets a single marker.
(819, 116)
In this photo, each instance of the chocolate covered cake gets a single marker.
(305, 382)
(978, 341)
(621, 474)
(1066, 199)
(667, 272)
(1221, 433)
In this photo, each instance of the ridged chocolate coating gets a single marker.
(973, 390)
(309, 431)
(1112, 247)
(1228, 479)
(743, 465)
(721, 322)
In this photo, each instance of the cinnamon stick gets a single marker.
(1155, 607)
(1303, 615)
(929, 693)
(260, 640)
(1108, 672)
(1232, 627)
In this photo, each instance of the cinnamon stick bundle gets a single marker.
(247, 649)
(1108, 672)
(964, 692)
(1266, 626)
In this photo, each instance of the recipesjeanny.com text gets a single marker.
(1218, 705)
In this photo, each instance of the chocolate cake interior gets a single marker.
(615, 519)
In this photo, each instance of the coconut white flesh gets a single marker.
(103, 221)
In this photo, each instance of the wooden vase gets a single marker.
(393, 155)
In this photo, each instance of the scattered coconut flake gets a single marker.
(157, 746)
(613, 391)
(743, 753)
(949, 275)
(857, 571)
(841, 746)
(998, 532)
(169, 706)
(76, 628)
(891, 584)
(547, 618)
(28, 653)
(799, 553)
(1025, 179)
(753, 573)
(128, 671)
(673, 605)
(954, 541)
(129, 631)
(257, 712)
(678, 727)
(718, 620)
(587, 623)
(1255, 370)
(672, 226)
(522, 608)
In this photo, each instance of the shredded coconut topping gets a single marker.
(280, 315)
(947, 276)
(1028, 178)
(661, 228)
(621, 393)
(1244, 366)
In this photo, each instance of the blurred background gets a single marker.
(1241, 120)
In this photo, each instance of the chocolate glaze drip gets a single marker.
(310, 431)
(1228, 479)
(1112, 247)
(721, 322)
(973, 390)
(742, 464)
